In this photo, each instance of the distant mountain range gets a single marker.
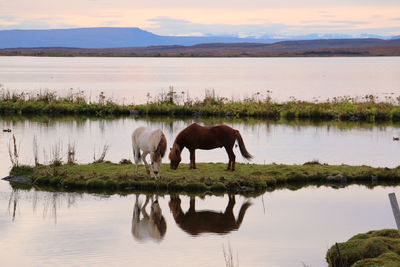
(105, 38)
(330, 47)
(109, 37)
(137, 42)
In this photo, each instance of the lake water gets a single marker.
(130, 79)
(280, 228)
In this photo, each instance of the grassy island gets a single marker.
(372, 249)
(171, 103)
(211, 177)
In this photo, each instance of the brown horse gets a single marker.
(199, 137)
(206, 221)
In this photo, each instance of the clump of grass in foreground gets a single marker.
(173, 103)
(372, 249)
(207, 177)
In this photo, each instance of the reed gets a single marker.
(35, 148)
(71, 153)
(56, 154)
(13, 152)
(100, 157)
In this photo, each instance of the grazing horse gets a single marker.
(151, 226)
(206, 221)
(149, 141)
(200, 137)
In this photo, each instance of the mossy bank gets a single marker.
(207, 177)
(373, 249)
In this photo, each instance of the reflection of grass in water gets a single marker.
(168, 123)
(52, 201)
(228, 256)
(373, 249)
(207, 177)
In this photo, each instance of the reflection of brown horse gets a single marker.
(151, 226)
(205, 221)
(198, 137)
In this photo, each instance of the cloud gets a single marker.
(8, 18)
(110, 23)
(343, 23)
(349, 28)
(9, 22)
(171, 26)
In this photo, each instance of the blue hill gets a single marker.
(106, 37)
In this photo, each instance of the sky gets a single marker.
(243, 18)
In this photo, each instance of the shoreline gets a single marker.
(209, 177)
(367, 108)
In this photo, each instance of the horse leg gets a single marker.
(232, 157)
(145, 162)
(136, 210)
(192, 159)
(144, 212)
(229, 207)
(192, 206)
(136, 157)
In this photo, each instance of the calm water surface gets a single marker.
(280, 228)
(130, 79)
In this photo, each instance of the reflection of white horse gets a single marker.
(149, 141)
(149, 227)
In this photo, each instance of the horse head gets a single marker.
(155, 162)
(158, 154)
(175, 156)
(158, 219)
(175, 206)
(151, 226)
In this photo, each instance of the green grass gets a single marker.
(207, 177)
(372, 249)
(172, 103)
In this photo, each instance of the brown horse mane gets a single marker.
(175, 151)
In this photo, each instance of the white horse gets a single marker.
(151, 226)
(149, 141)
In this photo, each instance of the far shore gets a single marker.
(311, 48)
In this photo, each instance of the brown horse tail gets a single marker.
(242, 212)
(162, 145)
(242, 147)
